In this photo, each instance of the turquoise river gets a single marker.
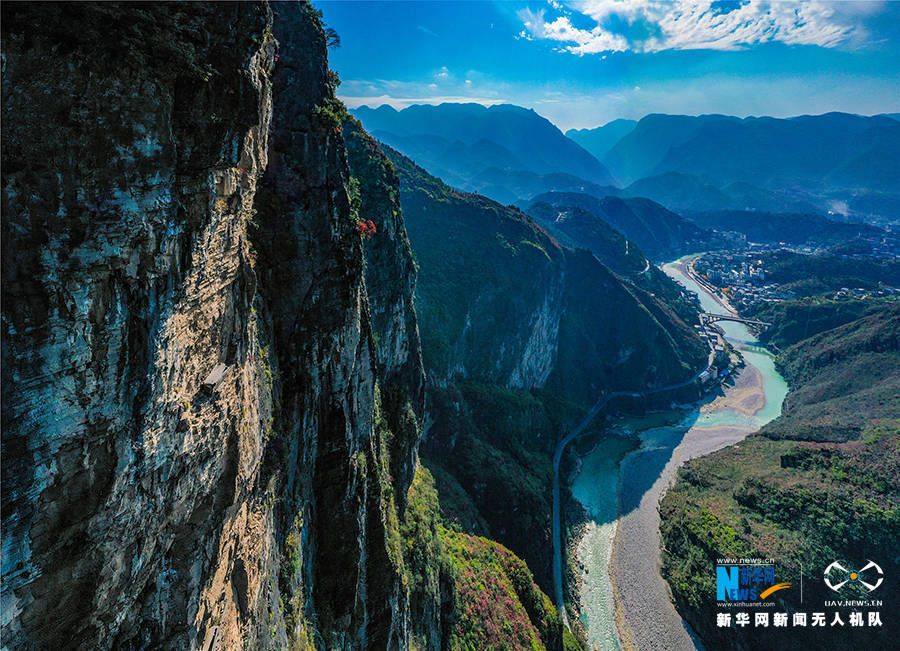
(621, 479)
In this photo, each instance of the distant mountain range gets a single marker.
(839, 163)
(791, 228)
(760, 150)
(504, 152)
(600, 140)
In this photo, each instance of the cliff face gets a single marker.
(641, 342)
(203, 446)
(480, 317)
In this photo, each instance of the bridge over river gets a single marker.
(706, 317)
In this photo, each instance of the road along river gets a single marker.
(625, 601)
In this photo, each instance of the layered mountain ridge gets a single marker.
(503, 151)
(659, 232)
(835, 162)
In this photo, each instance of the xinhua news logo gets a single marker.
(747, 582)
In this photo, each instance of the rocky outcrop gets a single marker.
(390, 275)
(539, 353)
(211, 394)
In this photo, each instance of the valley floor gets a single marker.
(622, 538)
(645, 615)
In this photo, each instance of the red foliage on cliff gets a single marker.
(366, 228)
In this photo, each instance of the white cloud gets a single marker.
(654, 25)
(441, 86)
(561, 29)
(402, 102)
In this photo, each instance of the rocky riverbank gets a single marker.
(645, 615)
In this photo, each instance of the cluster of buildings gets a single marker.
(742, 278)
(719, 360)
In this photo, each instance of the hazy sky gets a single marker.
(582, 64)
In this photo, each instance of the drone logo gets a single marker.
(854, 576)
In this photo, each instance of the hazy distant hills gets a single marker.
(505, 152)
(764, 151)
(681, 191)
(791, 228)
(837, 162)
(811, 151)
(639, 152)
(600, 140)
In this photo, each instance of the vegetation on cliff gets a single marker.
(498, 604)
(475, 591)
(441, 598)
(479, 321)
(841, 380)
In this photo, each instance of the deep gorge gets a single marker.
(215, 389)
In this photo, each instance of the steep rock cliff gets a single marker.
(129, 177)
(496, 292)
(203, 446)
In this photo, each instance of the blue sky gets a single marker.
(584, 63)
